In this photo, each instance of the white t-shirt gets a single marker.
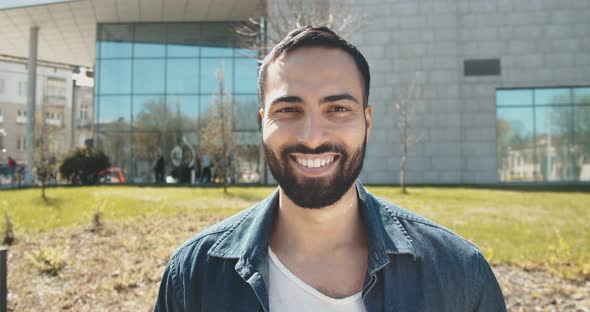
(288, 293)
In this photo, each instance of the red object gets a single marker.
(112, 175)
(11, 163)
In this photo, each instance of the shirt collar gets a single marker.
(247, 239)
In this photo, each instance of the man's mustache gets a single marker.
(324, 148)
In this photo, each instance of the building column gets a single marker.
(31, 100)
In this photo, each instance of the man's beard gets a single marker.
(316, 192)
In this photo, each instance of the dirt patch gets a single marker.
(118, 268)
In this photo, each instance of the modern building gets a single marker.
(500, 89)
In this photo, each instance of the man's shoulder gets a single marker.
(425, 233)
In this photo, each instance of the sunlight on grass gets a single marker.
(518, 227)
(509, 226)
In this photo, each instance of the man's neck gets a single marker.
(317, 232)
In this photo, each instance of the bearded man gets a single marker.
(321, 241)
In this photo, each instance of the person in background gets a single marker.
(206, 175)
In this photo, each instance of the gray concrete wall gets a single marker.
(540, 43)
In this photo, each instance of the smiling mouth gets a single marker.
(314, 162)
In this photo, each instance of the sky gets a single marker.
(11, 4)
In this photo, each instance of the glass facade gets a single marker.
(187, 91)
(543, 134)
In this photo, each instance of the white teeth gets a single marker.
(315, 163)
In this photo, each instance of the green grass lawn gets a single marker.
(549, 228)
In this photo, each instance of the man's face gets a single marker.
(314, 124)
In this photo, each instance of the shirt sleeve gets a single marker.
(168, 293)
(490, 298)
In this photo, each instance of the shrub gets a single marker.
(82, 165)
(47, 260)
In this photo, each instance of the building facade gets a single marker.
(53, 108)
(501, 89)
(498, 90)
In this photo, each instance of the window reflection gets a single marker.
(552, 147)
(552, 96)
(514, 97)
(115, 76)
(148, 76)
(246, 107)
(582, 96)
(115, 41)
(246, 76)
(158, 87)
(150, 40)
(149, 113)
(581, 148)
(183, 111)
(209, 72)
(553, 126)
(182, 76)
(515, 144)
(114, 112)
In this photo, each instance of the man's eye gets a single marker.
(288, 110)
(340, 109)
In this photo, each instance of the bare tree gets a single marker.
(405, 102)
(47, 149)
(281, 17)
(217, 137)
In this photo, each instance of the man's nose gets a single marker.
(313, 132)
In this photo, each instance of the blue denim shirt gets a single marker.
(414, 265)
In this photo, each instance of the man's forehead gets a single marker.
(311, 63)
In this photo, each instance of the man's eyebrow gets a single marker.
(339, 97)
(286, 99)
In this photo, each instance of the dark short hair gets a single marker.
(308, 36)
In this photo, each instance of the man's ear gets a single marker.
(369, 119)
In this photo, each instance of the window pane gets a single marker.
(582, 143)
(249, 53)
(147, 146)
(115, 40)
(115, 76)
(150, 40)
(553, 127)
(514, 97)
(216, 39)
(114, 112)
(209, 77)
(182, 76)
(183, 111)
(117, 146)
(149, 112)
(246, 111)
(246, 76)
(245, 159)
(148, 76)
(515, 144)
(552, 96)
(183, 40)
(582, 96)
(554, 123)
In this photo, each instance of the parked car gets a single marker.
(113, 175)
